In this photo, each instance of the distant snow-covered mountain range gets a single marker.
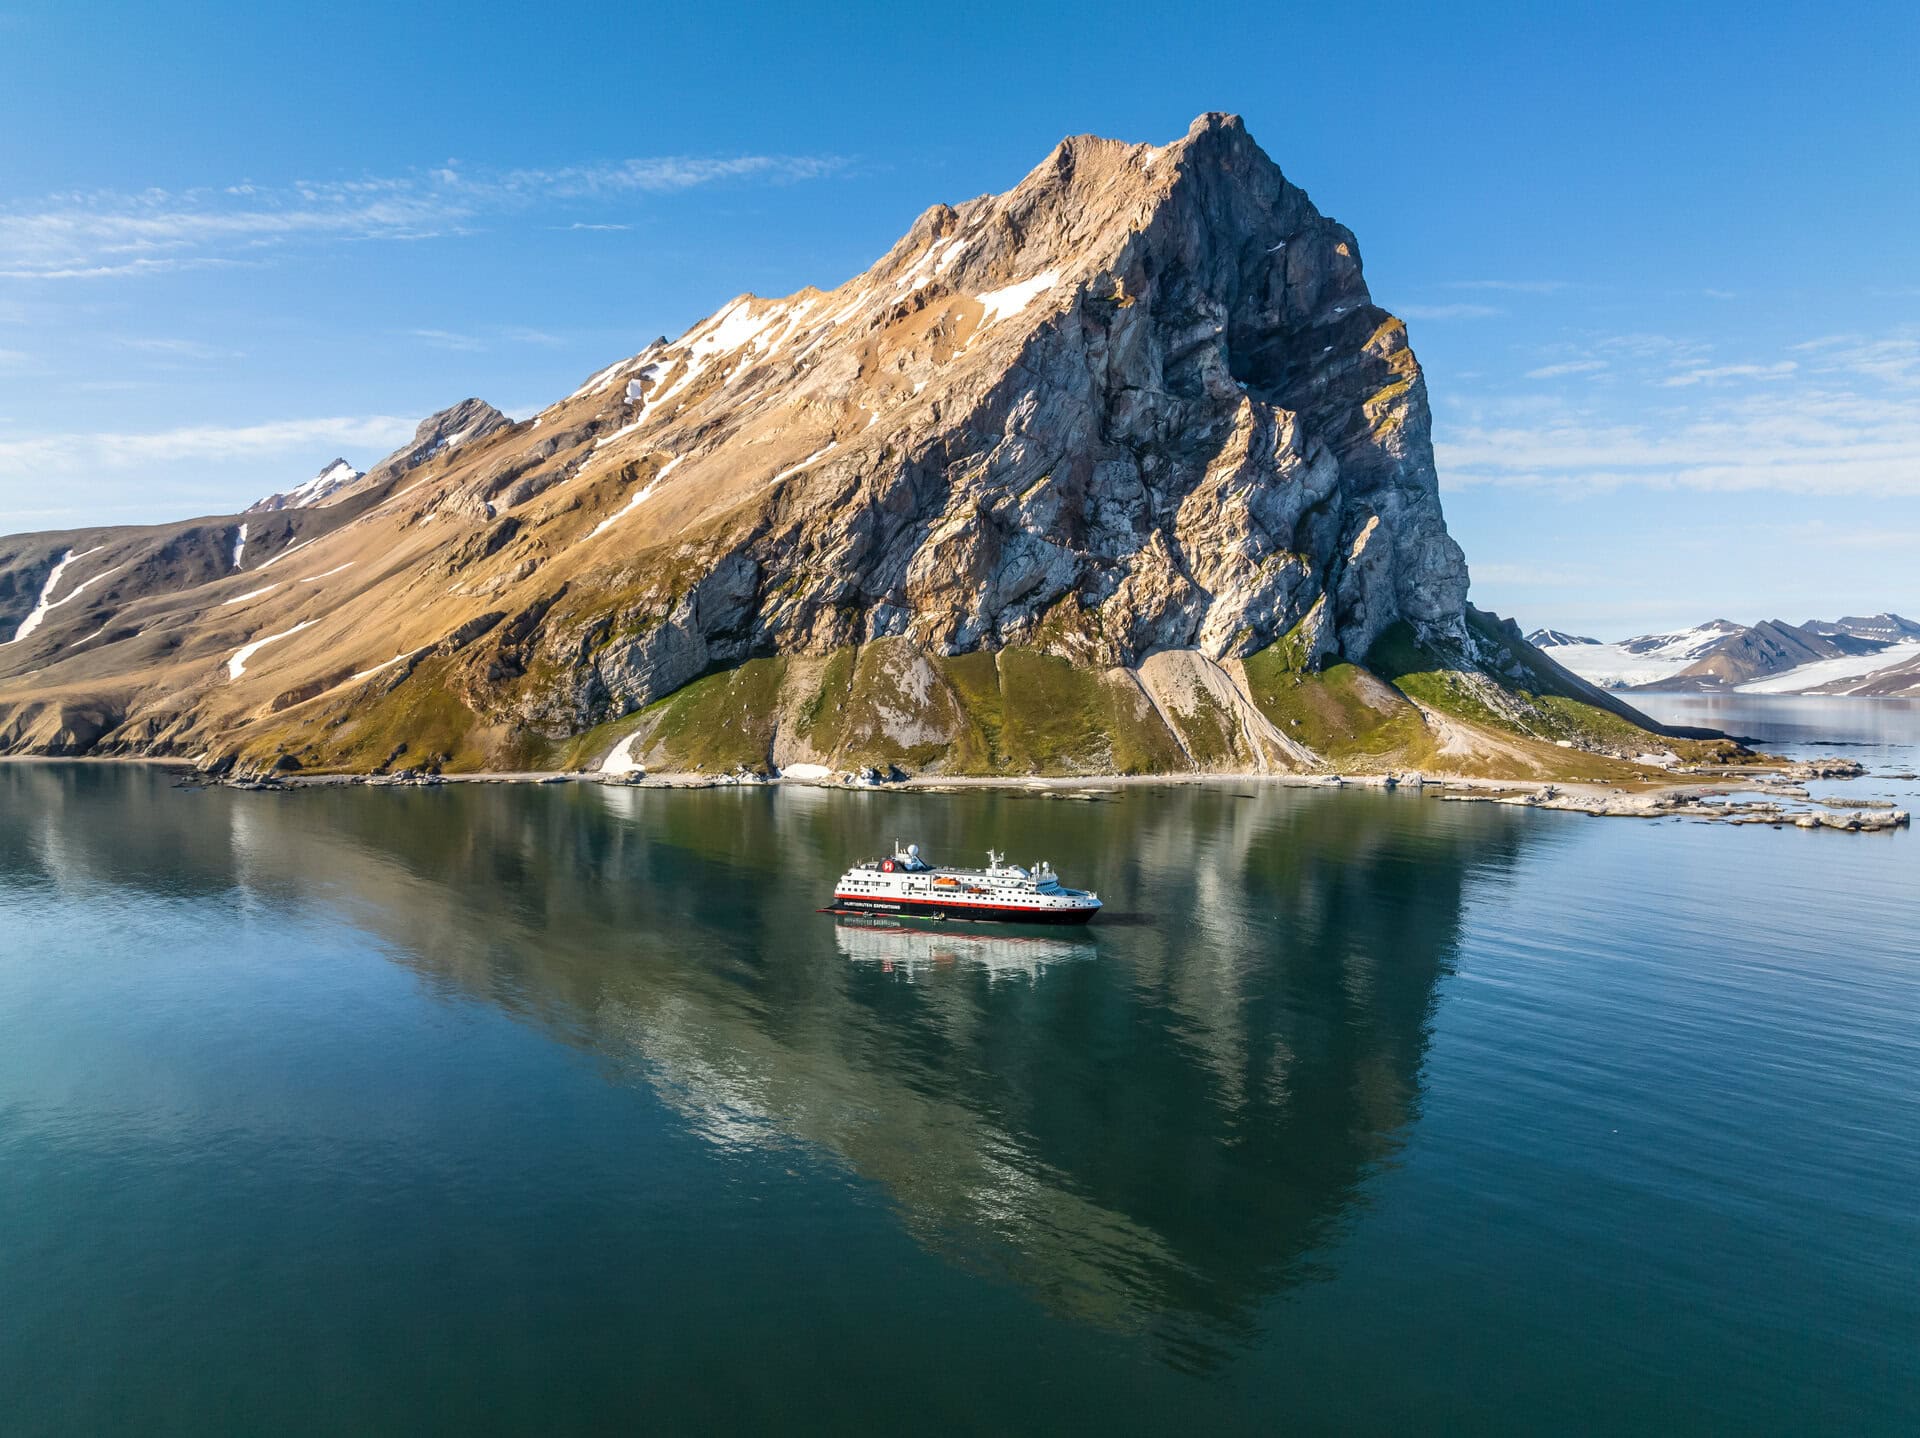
(1878, 654)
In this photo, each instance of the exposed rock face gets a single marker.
(1141, 402)
(438, 435)
(1140, 405)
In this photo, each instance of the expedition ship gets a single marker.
(907, 886)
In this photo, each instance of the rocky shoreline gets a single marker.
(1776, 797)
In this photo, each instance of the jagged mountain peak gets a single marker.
(1158, 299)
(449, 428)
(1136, 418)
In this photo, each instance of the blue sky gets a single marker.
(1661, 268)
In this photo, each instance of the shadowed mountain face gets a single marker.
(1128, 447)
(1151, 1130)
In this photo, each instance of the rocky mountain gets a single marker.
(1768, 648)
(1688, 644)
(1555, 638)
(332, 478)
(437, 437)
(1828, 656)
(1122, 469)
(1888, 628)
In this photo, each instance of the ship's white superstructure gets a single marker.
(906, 885)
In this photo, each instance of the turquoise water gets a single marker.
(503, 1109)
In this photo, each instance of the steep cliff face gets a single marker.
(1141, 402)
(1122, 468)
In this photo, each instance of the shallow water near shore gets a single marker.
(508, 1109)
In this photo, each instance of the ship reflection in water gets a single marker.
(916, 952)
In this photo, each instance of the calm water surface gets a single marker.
(495, 1109)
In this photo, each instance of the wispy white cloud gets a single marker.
(480, 343)
(1714, 374)
(1647, 346)
(448, 340)
(37, 458)
(174, 348)
(655, 176)
(81, 270)
(583, 225)
(1799, 437)
(107, 234)
(1545, 576)
(1892, 360)
(1449, 312)
(1570, 367)
(1523, 287)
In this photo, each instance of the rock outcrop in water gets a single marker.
(1122, 469)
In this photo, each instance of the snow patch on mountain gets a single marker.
(1826, 672)
(292, 549)
(597, 381)
(46, 602)
(237, 665)
(369, 673)
(250, 594)
(622, 760)
(808, 462)
(46, 590)
(639, 497)
(1002, 304)
(618, 435)
(318, 490)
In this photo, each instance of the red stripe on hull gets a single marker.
(953, 908)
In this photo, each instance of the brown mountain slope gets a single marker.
(1122, 469)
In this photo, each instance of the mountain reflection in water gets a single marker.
(1152, 1127)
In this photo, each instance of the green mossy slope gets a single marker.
(883, 704)
(1342, 712)
(1018, 711)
